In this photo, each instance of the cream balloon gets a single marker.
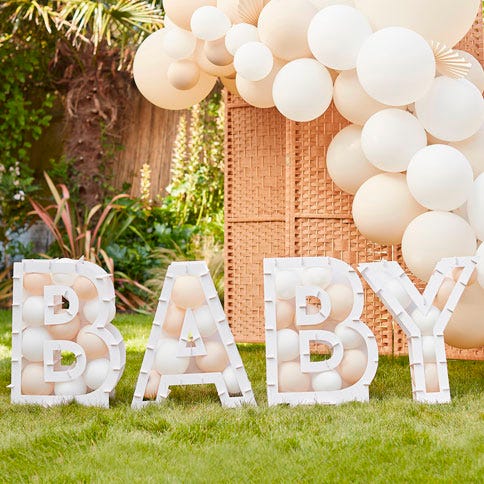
(466, 326)
(33, 340)
(151, 390)
(33, 381)
(433, 236)
(473, 149)
(167, 361)
(285, 313)
(240, 34)
(291, 379)
(210, 68)
(183, 74)
(476, 74)
(33, 311)
(342, 301)
(431, 377)
(173, 320)
(443, 294)
(84, 288)
(446, 21)
(390, 139)
(230, 85)
(352, 101)
(440, 178)
(302, 90)
(327, 381)
(353, 365)
(90, 310)
(259, 93)
(217, 53)
(150, 69)
(179, 43)
(480, 265)
(317, 276)
(205, 322)
(253, 61)
(452, 109)
(230, 379)
(336, 34)
(209, 23)
(94, 346)
(283, 27)
(350, 338)
(383, 207)
(428, 349)
(187, 292)
(396, 66)
(216, 359)
(67, 331)
(181, 12)
(475, 207)
(287, 345)
(34, 283)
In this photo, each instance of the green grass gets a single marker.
(192, 439)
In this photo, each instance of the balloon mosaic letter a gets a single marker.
(423, 317)
(316, 301)
(191, 342)
(64, 306)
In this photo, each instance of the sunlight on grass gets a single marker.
(191, 438)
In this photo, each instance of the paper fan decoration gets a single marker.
(449, 62)
(249, 10)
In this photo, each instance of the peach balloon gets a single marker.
(187, 292)
(84, 288)
(183, 74)
(443, 293)
(33, 381)
(342, 300)
(173, 320)
(291, 379)
(181, 12)
(431, 377)
(473, 149)
(34, 283)
(67, 331)
(93, 345)
(151, 390)
(353, 366)
(216, 52)
(285, 313)
(216, 359)
(230, 85)
(466, 326)
(457, 272)
(283, 27)
(383, 207)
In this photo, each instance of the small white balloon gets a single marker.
(240, 34)
(68, 388)
(96, 373)
(231, 381)
(317, 276)
(431, 377)
(390, 138)
(287, 345)
(396, 66)
(440, 177)
(398, 291)
(33, 343)
(428, 349)
(64, 279)
(205, 322)
(475, 207)
(451, 109)
(167, 361)
(350, 338)
(303, 90)
(286, 282)
(33, 311)
(426, 322)
(179, 43)
(91, 310)
(209, 23)
(336, 34)
(253, 61)
(327, 381)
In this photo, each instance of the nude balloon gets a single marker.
(291, 379)
(342, 300)
(187, 292)
(216, 359)
(181, 12)
(473, 149)
(94, 347)
(67, 331)
(183, 74)
(353, 365)
(34, 283)
(475, 207)
(84, 288)
(33, 381)
(285, 313)
(151, 390)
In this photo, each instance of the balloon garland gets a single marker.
(414, 154)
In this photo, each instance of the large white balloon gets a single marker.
(476, 74)
(452, 109)
(346, 162)
(433, 236)
(209, 23)
(473, 149)
(253, 61)
(167, 361)
(150, 70)
(390, 138)
(303, 90)
(396, 66)
(352, 101)
(475, 207)
(336, 34)
(240, 34)
(440, 177)
(446, 21)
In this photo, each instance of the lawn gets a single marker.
(191, 438)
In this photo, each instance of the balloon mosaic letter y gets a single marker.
(43, 328)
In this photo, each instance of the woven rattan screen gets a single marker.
(280, 201)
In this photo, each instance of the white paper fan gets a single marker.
(449, 62)
(249, 10)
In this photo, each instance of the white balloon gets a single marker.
(33, 343)
(350, 338)
(96, 373)
(473, 149)
(426, 322)
(452, 109)
(399, 293)
(240, 34)
(327, 381)
(428, 349)
(440, 177)
(253, 61)
(303, 90)
(287, 344)
(346, 162)
(179, 43)
(209, 23)
(286, 282)
(91, 310)
(476, 74)
(480, 265)
(336, 34)
(475, 207)
(231, 381)
(317, 276)
(396, 66)
(33, 311)
(205, 322)
(74, 387)
(166, 360)
(390, 139)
